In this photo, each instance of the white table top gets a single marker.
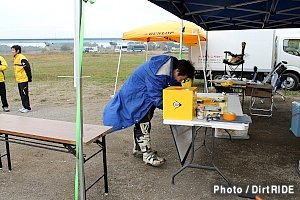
(234, 105)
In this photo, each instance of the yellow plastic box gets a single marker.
(179, 103)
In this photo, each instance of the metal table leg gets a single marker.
(7, 152)
(190, 164)
(104, 165)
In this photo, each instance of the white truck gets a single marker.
(264, 49)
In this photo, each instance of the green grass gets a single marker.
(102, 67)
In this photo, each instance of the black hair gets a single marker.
(185, 67)
(17, 48)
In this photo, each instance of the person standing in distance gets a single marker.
(22, 72)
(3, 67)
(135, 103)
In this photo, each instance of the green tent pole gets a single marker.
(79, 175)
(78, 51)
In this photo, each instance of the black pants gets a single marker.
(23, 91)
(3, 94)
(147, 118)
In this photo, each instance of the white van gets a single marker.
(123, 47)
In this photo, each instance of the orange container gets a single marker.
(229, 116)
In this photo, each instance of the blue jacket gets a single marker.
(142, 90)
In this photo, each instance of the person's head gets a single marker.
(15, 49)
(182, 70)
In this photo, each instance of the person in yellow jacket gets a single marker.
(22, 72)
(3, 67)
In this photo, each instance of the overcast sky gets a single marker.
(55, 18)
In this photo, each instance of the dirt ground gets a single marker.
(269, 157)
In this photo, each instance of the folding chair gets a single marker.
(277, 78)
(266, 90)
(234, 62)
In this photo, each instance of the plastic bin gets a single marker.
(235, 134)
(295, 123)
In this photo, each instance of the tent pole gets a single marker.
(118, 69)
(203, 64)
(77, 13)
(147, 49)
(206, 59)
(78, 45)
(181, 39)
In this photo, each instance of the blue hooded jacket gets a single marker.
(142, 90)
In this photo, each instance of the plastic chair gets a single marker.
(234, 62)
(266, 90)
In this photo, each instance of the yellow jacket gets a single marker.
(3, 66)
(22, 69)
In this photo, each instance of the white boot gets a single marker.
(149, 157)
(136, 151)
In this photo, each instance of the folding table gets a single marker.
(184, 134)
(52, 135)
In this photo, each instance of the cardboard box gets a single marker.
(179, 103)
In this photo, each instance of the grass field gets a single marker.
(100, 67)
(53, 75)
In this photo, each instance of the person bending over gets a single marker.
(142, 92)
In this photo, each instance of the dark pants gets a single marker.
(23, 91)
(147, 118)
(3, 94)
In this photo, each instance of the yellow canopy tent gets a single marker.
(168, 31)
(183, 32)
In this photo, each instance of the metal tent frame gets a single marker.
(236, 14)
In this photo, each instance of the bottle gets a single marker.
(200, 111)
